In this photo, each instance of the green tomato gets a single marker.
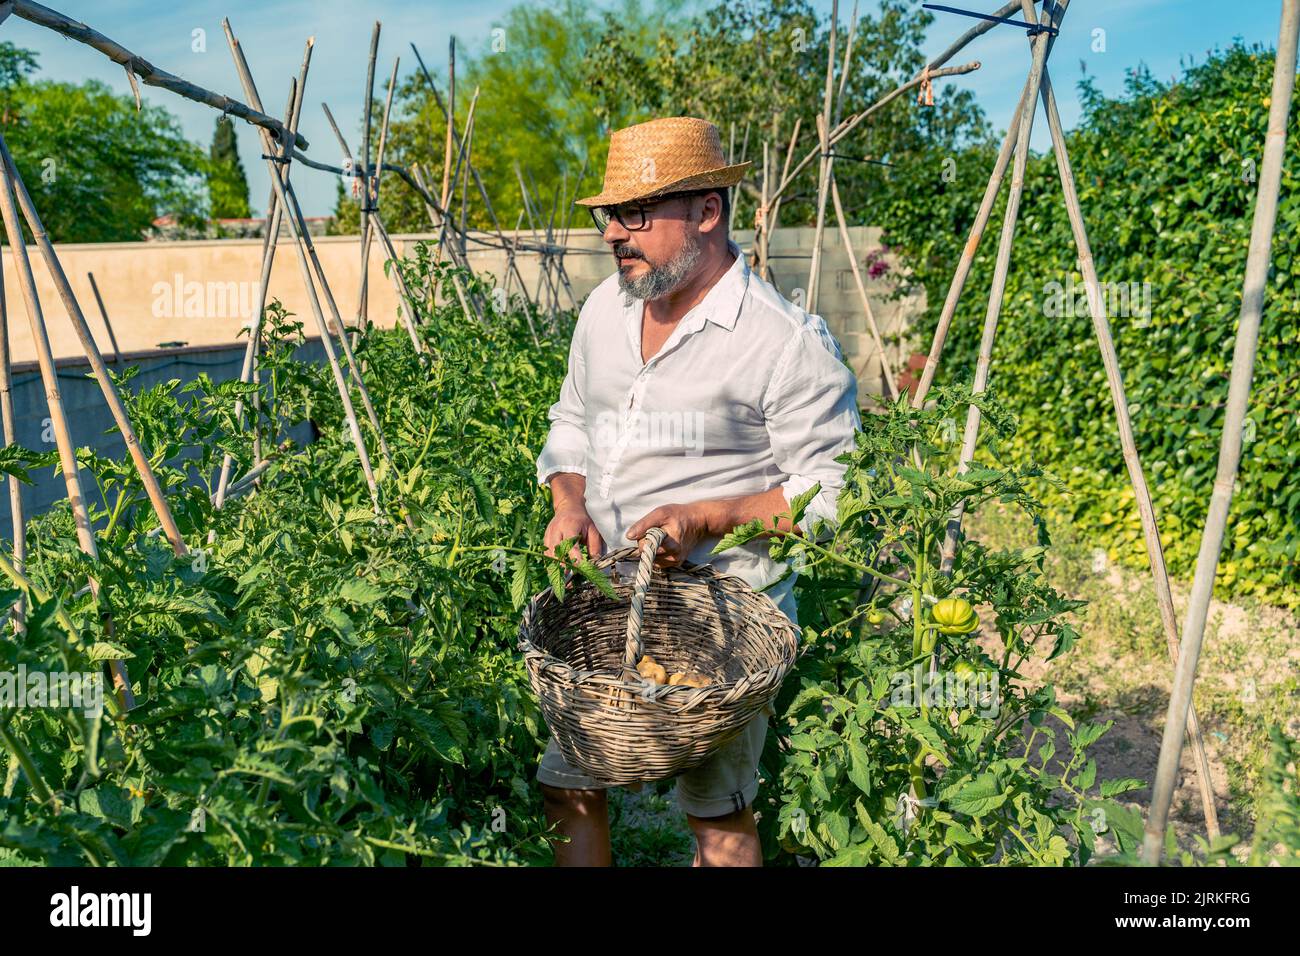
(964, 669)
(875, 616)
(955, 616)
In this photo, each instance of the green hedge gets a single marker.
(1166, 180)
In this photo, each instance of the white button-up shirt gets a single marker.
(748, 392)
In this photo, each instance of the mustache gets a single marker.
(624, 251)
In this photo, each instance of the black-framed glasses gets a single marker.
(632, 215)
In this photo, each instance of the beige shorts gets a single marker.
(723, 784)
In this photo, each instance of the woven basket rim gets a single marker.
(559, 669)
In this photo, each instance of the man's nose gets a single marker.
(615, 233)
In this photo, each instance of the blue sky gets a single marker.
(1157, 32)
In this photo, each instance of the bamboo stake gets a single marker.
(1243, 365)
(383, 132)
(824, 166)
(354, 370)
(371, 204)
(136, 65)
(934, 70)
(997, 291)
(269, 244)
(1132, 459)
(447, 217)
(404, 296)
(968, 251)
(543, 272)
(455, 280)
(848, 57)
(468, 145)
(885, 365)
(17, 519)
(363, 295)
(451, 119)
(301, 241)
(103, 312)
(54, 401)
(774, 200)
(455, 180)
(45, 359)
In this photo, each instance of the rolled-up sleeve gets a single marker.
(566, 445)
(811, 409)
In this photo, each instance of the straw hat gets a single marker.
(675, 154)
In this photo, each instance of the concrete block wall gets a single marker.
(201, 292)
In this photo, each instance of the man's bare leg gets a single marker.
(583, 816)
(730, 840)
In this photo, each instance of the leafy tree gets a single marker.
(535, 108)
(227, 184)
(753, 67)
(98, 170)
(557, 79)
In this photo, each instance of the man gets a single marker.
(696, 400)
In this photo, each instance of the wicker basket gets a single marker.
(621, 728)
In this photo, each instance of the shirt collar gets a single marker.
(720, 305)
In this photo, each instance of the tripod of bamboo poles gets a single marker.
(886, 367)
(445, 223)
(832, 104)
(278, 155)
(1038, 84)
(456, 251)
(274, 218)
(512, 248)
(440, 212)
(370, 177)
(373, 221)
(1243, 368)
(551, 271)
(14, 198)
(103, 314)
(827, 137)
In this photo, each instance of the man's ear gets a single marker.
(711, 213)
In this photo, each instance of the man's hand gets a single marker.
(574, 522)
(684, 526)
(568, 492)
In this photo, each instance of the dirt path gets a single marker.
(1248, 679)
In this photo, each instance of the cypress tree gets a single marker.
(227, 185)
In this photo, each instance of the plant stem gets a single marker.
(34, 779)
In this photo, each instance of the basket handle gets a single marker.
(641, 584)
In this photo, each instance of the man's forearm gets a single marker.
(568, 491)
(721, 515)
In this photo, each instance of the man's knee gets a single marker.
(731, 821)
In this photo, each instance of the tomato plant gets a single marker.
(314, 685)
(904, 741)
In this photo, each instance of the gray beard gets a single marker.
(661, 280)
